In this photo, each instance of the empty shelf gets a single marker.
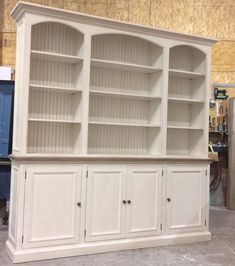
(184, 100)
(55, 88)
(53, 120)
(69, 59)
(124, 95)
(122, 124)
(123, 66)
(185, 74)
(185, 127)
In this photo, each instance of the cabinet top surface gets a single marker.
(107, 158)
(23, 7)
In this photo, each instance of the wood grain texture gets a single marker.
(139, 11)
(7, 49)
(118, 9)
(214, 2)
(161, 14)
(223, 77)
(223, 55)
(216, 21)
(183, 16)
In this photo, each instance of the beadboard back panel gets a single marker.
(56, 38)
(49, 73)
(184, 114)
(53, 137)
(116, 139)
(44, 104)
(187, 58)
(124, 48)
(184, 142)
(126, 82)
(186, 88)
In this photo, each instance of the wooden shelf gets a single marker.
(185, 74)
(122, 124)
(185, 127)
(124, 95)
(53, 120)
(69, 59)
(184, 100)
(55, 88)
(123, 66)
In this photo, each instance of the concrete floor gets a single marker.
(219, 251)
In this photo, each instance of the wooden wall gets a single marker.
(212, 18)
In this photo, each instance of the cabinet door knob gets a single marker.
(168, 199)
(124, 202)
(129, 202)
(79, 204)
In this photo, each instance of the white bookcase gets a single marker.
(110, 129)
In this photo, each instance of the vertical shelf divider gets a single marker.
(86, 93)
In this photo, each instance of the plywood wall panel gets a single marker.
(183, 16)
(227, 77)
(223, 55)
(216, 21)
(7, 46)
(73, 5)
(161, 14)
(8, 25)
(215, 2)
(139, 11)
(118, 10)
(98, 9)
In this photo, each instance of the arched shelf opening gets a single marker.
(187, 58)
(53, 37)
(126, 49)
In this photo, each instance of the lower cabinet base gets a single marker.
(44, 253)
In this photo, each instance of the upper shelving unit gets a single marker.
(93, 86)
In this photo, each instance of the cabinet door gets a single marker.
(185, 199)
(51, 211)
(144, 201)
(105, 211)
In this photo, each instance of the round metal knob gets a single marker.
(79, 204)
(124, 202)
(168, 199)
(129, 202)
